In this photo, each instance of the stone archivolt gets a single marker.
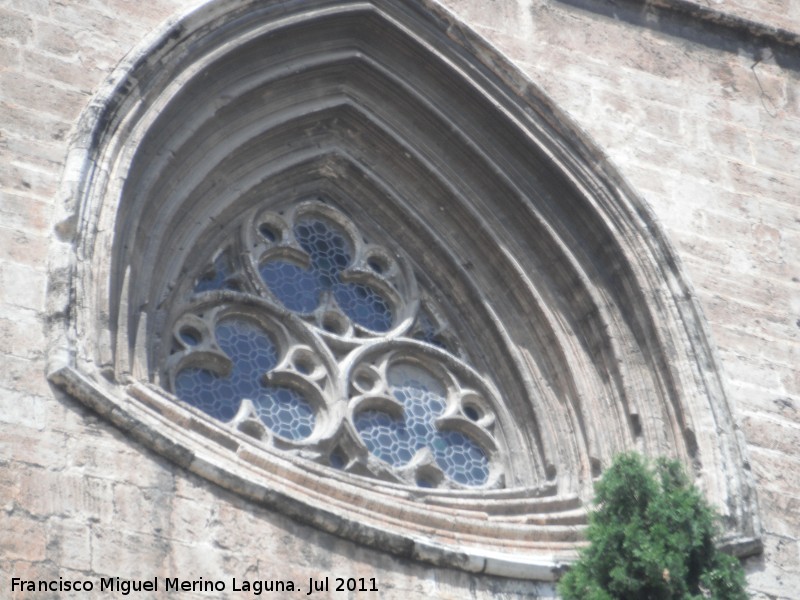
(516, 269)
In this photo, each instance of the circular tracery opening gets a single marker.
(189, 336)
(269, 232)
(472, 412)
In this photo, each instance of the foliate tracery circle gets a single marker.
(310, 338)
(239, 361)
(426, 415)
(311, 260)
(329, 255)
(399, 440)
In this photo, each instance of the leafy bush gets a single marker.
(651, 537)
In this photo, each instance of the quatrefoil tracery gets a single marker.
(312, 339)
(312, 261)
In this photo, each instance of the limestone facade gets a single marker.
(698, 108)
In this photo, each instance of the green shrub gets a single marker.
(651, 537)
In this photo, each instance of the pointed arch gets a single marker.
(553, 274)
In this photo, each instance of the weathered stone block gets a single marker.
(23, 538)
(15, 26)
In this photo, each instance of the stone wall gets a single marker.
(707, 132)
(702, 120)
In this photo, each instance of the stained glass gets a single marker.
(252, 353)
(395, 441)
(300, 289)
(316, 265)
(220, 277)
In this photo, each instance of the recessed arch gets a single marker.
(553, 274)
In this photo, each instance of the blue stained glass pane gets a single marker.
(283, 410)
(396, 441)
(189, 336)
(218, 278)
(462, 460)
(294, 286)
(363, 305)
(337, 460)
(300, 289)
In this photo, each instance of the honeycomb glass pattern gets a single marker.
(300, 289)
(252, 352)
(395, 442)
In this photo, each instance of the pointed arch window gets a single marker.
(342, 258)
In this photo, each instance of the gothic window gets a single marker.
(313, 339)
(342, 258)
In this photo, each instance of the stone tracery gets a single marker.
(397, 419)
